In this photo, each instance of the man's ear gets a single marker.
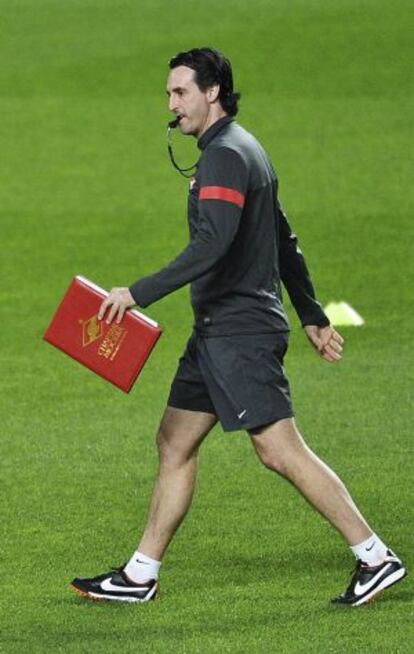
(213, 93)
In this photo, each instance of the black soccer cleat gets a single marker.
(368, 581)
(115, 586)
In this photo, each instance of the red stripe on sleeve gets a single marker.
(222, 193)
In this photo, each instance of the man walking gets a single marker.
(241, 249)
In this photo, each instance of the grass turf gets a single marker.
(88, 188)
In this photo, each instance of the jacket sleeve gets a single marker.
(222, 182)
(295, 276)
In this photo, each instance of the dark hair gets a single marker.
(211, 67)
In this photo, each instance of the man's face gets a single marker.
(186, 100)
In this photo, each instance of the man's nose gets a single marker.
(172, 103)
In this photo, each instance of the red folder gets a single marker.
(117, 351)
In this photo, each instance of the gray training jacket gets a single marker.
(241, 246)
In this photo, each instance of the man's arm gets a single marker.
(296, 279)
(222, 187)
(295, 276)
(223, 183)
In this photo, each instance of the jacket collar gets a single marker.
(213, 130)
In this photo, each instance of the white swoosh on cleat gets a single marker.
(107, 584)
(363, 588)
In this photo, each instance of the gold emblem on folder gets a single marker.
(91, 330)
(113, 340)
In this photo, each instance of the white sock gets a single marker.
(141, 567)
(371, 551)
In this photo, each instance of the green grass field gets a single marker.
(87, 188)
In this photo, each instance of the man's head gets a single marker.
(200, 89)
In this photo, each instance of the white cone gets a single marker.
(341, 313)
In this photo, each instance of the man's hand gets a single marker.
(326, 341)
(119, 299)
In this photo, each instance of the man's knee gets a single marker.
(275, 461)
(180, 435)
(170, 449)
(279, 447)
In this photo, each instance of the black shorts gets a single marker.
(239, 378)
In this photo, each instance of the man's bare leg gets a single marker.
(179, 437)
(281, 448)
